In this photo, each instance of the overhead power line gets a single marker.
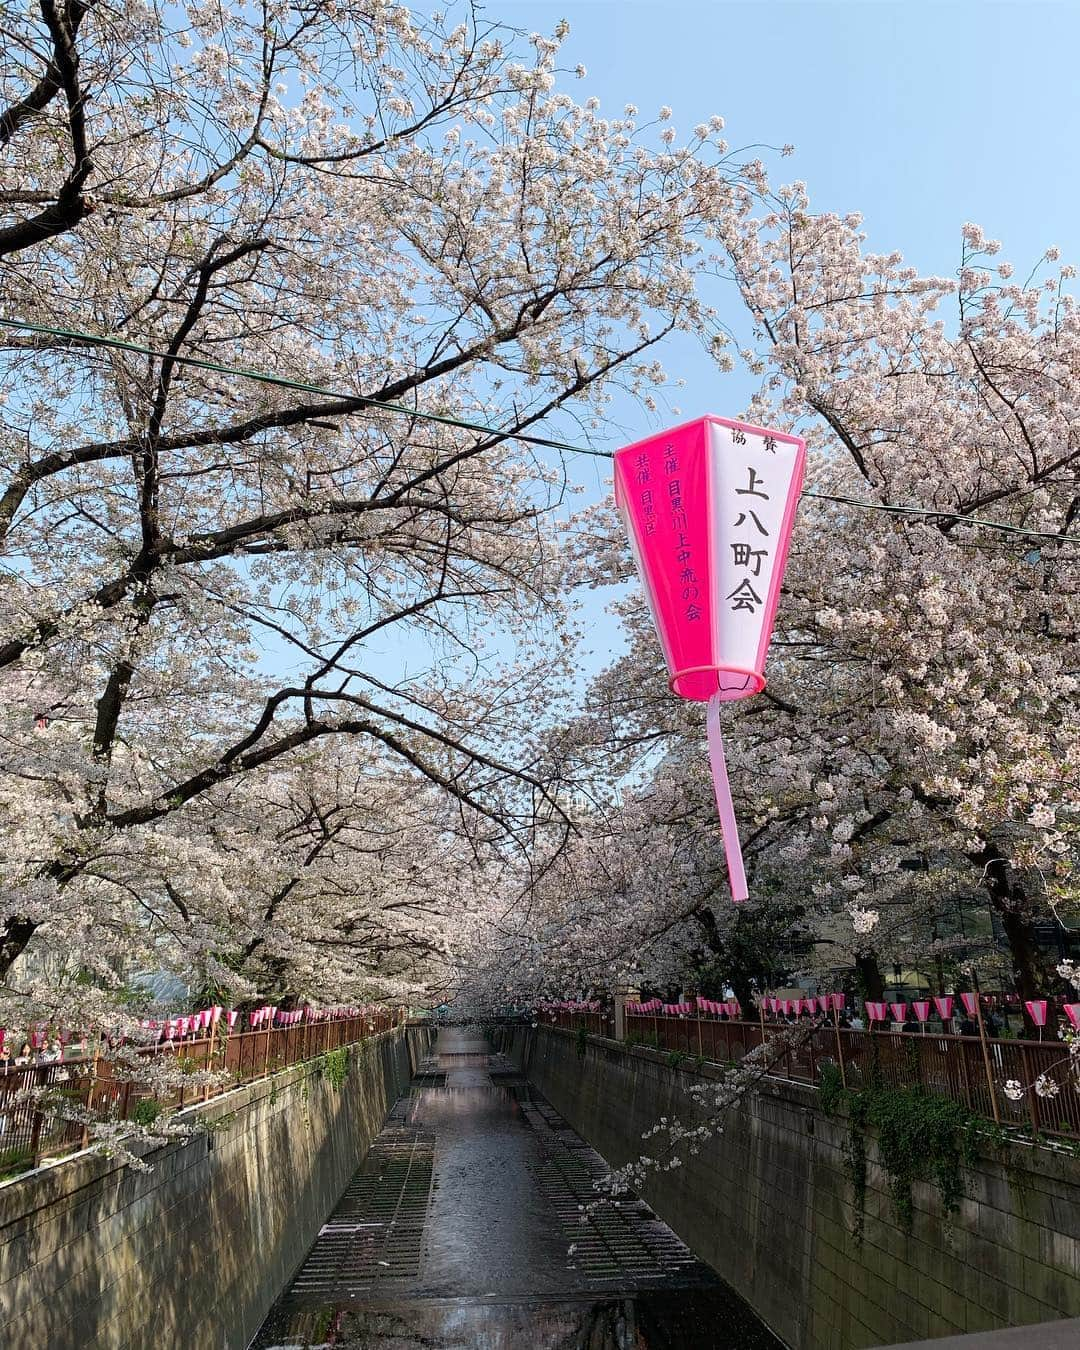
(481, 429)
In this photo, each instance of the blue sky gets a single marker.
(920, 116)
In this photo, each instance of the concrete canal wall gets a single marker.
(193, 1252)
(769, 1205)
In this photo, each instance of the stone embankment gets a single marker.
(193, 1252)
(769, 1205)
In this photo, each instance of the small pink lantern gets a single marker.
(899, 1011)
(1036, 1010)
(971, 1004)
(837, 1002)
(943, 1004)
(709, 508)
(1072, 1012)
(921, 1008)
(875, 1011)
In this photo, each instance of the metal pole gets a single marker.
(986, 1060)
(209, 1057)
(93, 1084)
(1032, 1095)
(839, 1046)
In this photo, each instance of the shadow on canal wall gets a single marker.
(768, 1204)
(193, 1252)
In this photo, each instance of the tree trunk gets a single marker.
(868, 973)
(1009, 902)
(17, 933)
(744, 992)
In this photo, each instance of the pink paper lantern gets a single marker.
(837, 1002)
(922, 1008)
(1036, 1009)
(823, 1003)
(709, 508)
(971, 1004)
(944, 1004)
(899, 1011)
(875, 1011)
(1072, 1012)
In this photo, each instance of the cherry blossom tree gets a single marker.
(918, 745)
(407, 225)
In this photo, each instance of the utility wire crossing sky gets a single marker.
(265, 377)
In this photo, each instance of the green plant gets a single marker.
(676, 1057)
(831, 1087)
(919, 1138)
(581, 1041)
(15, 1160)
(147, 1110)
(335, 1067)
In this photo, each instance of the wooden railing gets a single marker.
(936, 1062)
(70, 1094)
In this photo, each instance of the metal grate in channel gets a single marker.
(617, 1241)
(376, 1232)
(428, 1080)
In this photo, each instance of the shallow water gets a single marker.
(462, 1229)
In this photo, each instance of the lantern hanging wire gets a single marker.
(80, 337)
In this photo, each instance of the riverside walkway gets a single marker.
(462, 1228)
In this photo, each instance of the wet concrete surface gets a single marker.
(462, 1230)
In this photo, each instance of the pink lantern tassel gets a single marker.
(724, 804)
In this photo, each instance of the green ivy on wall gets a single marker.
(919, 1137)
(335, 1067)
